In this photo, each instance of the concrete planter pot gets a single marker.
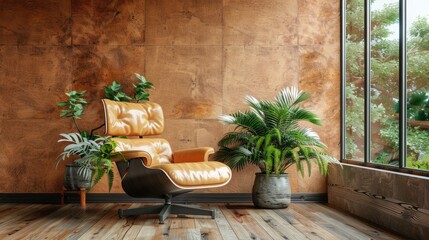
(271, 192)
(74, 181)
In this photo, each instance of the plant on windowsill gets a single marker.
(269, 136)
(94, 152)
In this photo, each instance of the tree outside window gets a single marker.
(384, 72)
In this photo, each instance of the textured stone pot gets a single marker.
(74, 181)
(271, 192)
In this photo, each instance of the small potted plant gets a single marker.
(269, 135)
(94, 152)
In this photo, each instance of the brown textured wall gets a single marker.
(202, 56)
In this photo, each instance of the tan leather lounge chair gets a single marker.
(152, 169)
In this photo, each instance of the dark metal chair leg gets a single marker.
(181, 209)
(140, 211)
(165, 212)
(166, 209)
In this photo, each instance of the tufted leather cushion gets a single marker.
(158, 150)
(157, 154)
(197, 175)
(133, 119)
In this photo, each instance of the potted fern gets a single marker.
(94, 152)
(269, 135)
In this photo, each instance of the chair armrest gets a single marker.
(148, 159)
(193, 155)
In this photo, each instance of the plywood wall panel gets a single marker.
(260, 22)
(108, 22)
(38, 22)
(312, 30)
(241, 182)
(320, 76)
(184, 133)
(33, 79)
(188, 80)
(202, 56)
(257, 71)
(30, 150)
(96, 66)
(185, 22)
(316, 182)
(8, 72)
(319, 8)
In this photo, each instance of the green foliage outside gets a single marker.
(417, 106)
(385, 85)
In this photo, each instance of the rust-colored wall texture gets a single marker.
(202, 56)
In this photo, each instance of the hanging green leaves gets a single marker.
(113, 92)
(73, 107)
(141, 88)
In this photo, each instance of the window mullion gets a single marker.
(367, 89)
(402, 84)
(343, 79)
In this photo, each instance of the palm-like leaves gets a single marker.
(95, 155)
(78, 145)
(269, 135)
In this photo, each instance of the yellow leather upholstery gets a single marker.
(191, 169)
(197, 175)
(157, 150)
(133, 119)
(185, 169)
(193, 155)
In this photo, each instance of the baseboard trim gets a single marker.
(54, 198)
(44, 198)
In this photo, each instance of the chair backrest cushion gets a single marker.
(158, 149)
(133, 119)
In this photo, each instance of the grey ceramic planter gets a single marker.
(271, 192)
(74, 181)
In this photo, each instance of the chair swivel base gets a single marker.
(165, 210)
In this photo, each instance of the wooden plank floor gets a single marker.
(100, 221)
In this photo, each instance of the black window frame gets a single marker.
(367, 112)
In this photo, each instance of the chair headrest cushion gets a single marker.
(133, 119)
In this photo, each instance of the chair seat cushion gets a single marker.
(197, 175)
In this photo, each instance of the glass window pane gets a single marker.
(417, 84)
(384, 140)
(355, 73)
(384, 82)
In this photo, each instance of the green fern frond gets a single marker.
(236, 158)
(261, 139)
(99, 173)
(277, 160)
(234, 138)
(110, 177)
(267, 141)
(299, 114)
